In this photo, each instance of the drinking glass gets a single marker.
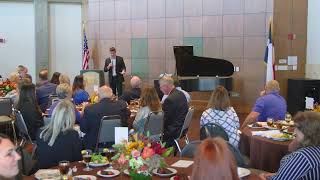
(64, 168)
(110, 153)
(270, 121)
(87, 158)
(288, 117)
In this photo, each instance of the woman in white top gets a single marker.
(149, 102)
(220, 112)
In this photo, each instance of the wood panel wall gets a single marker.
(290, 17)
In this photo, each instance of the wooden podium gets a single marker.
(93, 79)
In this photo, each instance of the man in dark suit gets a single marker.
(116, 68)
(175, 108)
(93, 114)
(44, 90)
(134, 92)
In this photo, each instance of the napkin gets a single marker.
(265, 133)
(182, 164)
(120, 134)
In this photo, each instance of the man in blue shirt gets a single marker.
(269, 105)
(44, 90)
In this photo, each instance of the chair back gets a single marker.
(106, 129)
(213, 130)
(5, 107)
(21, 125)
(52, 99)
(187, 122)
(189, 150)
(154, 124)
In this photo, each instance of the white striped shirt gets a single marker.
(226, 119)
(303, 164)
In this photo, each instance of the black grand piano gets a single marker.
(200, 73)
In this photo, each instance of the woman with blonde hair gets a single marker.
(58, 140)
(149, 102)
(220, 112)
(214, 161)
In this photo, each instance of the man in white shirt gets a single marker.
(116, 68)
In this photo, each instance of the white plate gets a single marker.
(165, 175)
(92, 164)
(47, 174)
(172, 178)
(115, 173)
(243, 172)
(254, 127)
(85, 177)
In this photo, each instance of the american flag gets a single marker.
(86, 56)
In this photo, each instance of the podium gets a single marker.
(93, 79)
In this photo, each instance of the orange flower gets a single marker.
(147, 153)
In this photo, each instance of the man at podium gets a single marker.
(116, 68)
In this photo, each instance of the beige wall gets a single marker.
(231, 29)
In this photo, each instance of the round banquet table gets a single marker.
(170, 160)
(265, 154)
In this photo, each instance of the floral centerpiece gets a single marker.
(140, 156)
(6, 86)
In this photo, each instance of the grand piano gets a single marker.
(197, 73)
(201, 73)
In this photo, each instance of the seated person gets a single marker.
(63, 91)
(64, 78)
(55, 78)
(175, 109)
(58, 140)
(222, 113)
(304, 161)
(177, 85)
(149, 102)
(269, 105)
(134, 92)
(8, 158)
(79, 95)
(214, 161)
(29, 108)
(93, 114)
(13, 94)
(44, 90)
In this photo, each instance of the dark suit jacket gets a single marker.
(175, 109)
(119, 67)
(93, 114)
(43, 92)
(132, 94)
(67, 146)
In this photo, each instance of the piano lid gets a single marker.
(189, 65)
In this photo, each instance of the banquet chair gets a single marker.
(213, 130)
(154, 125)
(52, 99)
(106, 131)
(189, 150)
(6, 117)
(26, 159)
(184, 129)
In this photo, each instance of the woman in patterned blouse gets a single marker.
(220, 112)
(304, 161)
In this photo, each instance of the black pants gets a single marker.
(116, 85)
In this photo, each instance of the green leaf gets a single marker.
(168, 152)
